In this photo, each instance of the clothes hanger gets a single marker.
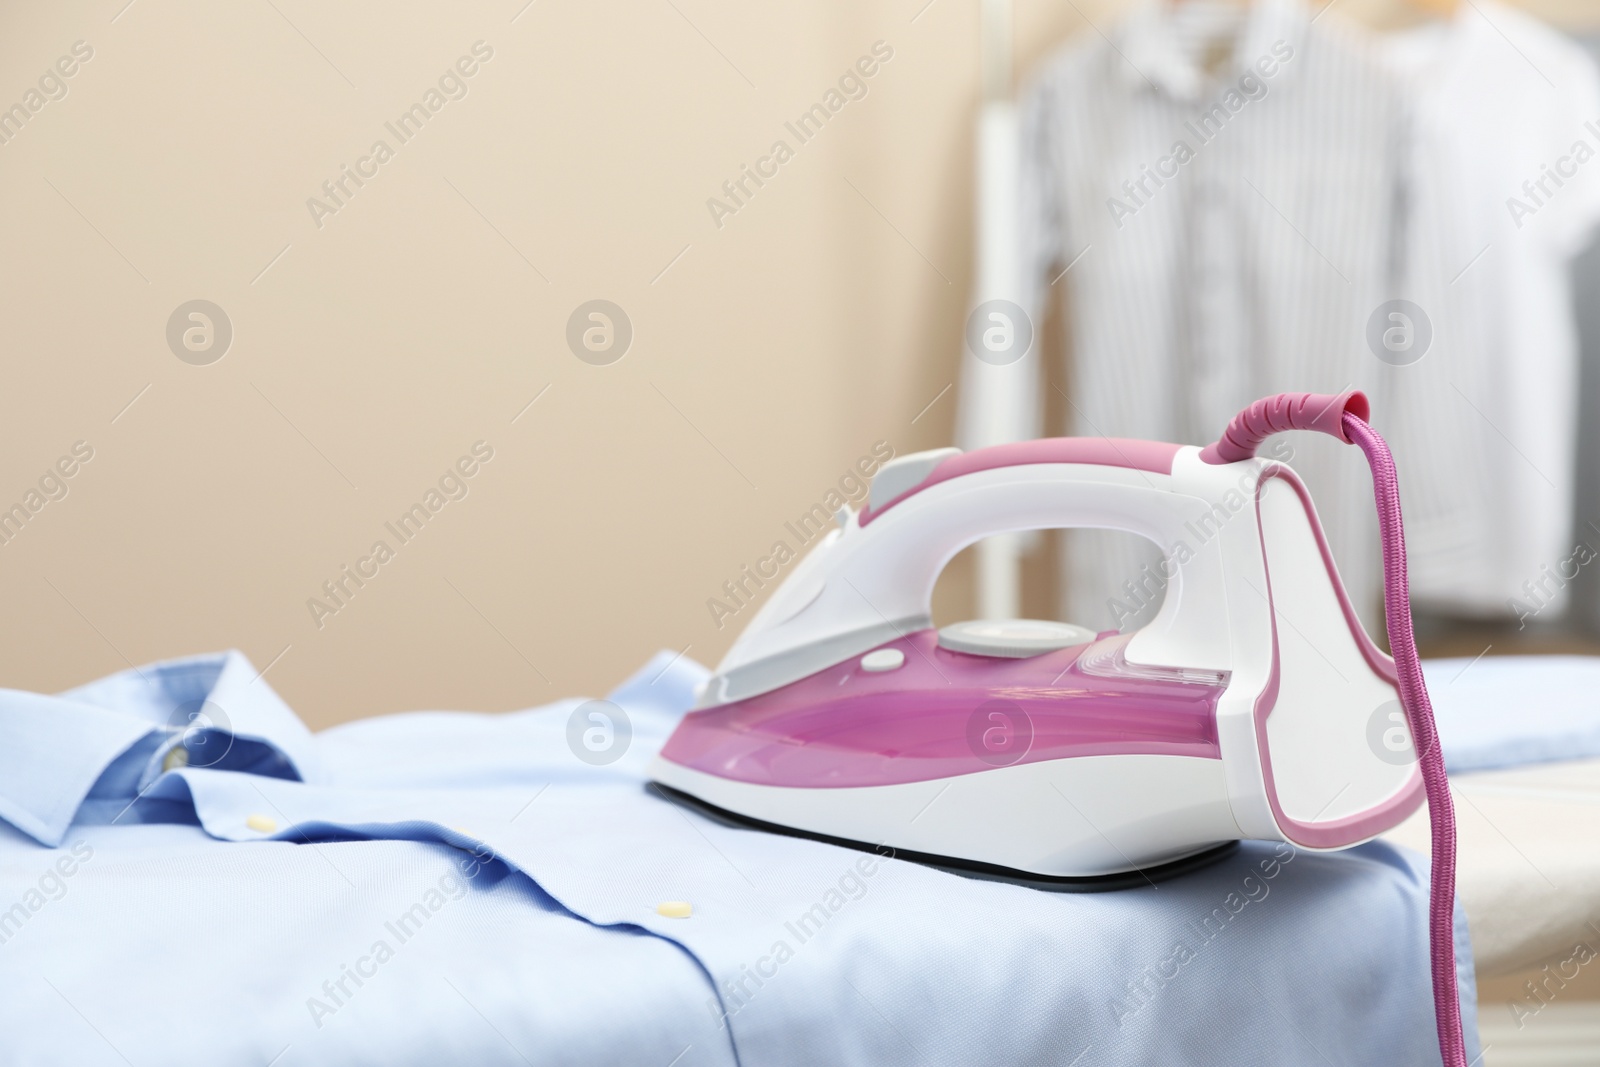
(1216, 50)
(1392, 15)
(1443, 9)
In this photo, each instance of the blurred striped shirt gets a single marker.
(1216, 191)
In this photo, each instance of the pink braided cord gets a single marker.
(1424, 734)
(1344, 416)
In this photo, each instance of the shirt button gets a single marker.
(178, 757)
(263, 823)
(674, 909)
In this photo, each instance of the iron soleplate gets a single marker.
(989, 872)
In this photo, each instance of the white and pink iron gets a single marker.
(1248, 708)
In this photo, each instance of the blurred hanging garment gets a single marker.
(1506, 120)
(1215, 188)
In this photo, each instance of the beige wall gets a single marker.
(372, 351)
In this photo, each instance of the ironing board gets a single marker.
(1527, 865)
(1522, 740)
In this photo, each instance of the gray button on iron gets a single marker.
(1012, 638)
(903, 472)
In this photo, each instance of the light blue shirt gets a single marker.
(445, 887)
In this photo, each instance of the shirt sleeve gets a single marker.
(1574, 121)
(1040, 228)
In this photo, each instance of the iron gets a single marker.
(1253, 706)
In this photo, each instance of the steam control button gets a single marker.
(1012, 638)
(884, 659)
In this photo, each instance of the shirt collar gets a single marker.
(1156, 40)
(203, 711)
